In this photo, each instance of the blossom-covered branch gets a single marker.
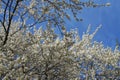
(43, 55)
(36, 12)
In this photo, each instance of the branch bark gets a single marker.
(11, 15)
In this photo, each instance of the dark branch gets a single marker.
(10, 20)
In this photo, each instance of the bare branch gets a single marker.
(10, 21)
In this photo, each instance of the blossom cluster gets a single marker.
(43, 55)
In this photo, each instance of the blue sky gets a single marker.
(109, 17)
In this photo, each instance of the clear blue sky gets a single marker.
(109, 17)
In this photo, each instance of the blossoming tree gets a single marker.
(38, 12)
(44, 55)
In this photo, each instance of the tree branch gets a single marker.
(10, 20)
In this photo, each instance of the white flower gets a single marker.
(108, 4)
(57, 41)
(31, 11)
